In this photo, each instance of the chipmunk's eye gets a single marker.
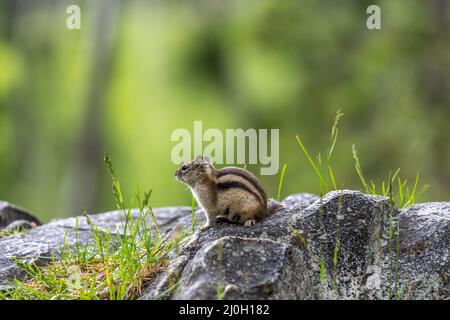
(184, 167)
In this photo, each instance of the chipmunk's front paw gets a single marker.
(206, 227)
(249, 223)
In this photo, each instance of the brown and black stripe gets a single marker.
(228, 178)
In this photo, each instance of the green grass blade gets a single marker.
(313, 164)
(281, 182)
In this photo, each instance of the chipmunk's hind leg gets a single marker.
(235, 217)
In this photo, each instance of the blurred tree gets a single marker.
(137, 70)
(90, 146)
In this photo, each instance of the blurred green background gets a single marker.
(137, 70)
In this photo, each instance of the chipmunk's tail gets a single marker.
(273, 206)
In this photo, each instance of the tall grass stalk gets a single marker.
(325, 175)
(280, 184)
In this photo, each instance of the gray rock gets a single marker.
(10, 213)
(300, 199)
(113, 221)
(344, 231)
(337, 247)
(424, 259)
(245, 268)
(38, 244)
(341, 246)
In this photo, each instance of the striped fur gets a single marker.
(232, 173)
(236, 184)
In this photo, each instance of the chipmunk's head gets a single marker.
(194, 171)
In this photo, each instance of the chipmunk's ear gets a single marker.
(207, 159)
(199, 159)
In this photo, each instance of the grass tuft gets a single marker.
(405, 195)
(112, 266)
(13, 232)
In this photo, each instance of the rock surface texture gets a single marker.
(346, 245)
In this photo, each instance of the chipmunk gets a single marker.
(230, 193)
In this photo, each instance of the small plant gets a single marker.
(300, 239)
(220, 291)
(405, 195)
(12, 232)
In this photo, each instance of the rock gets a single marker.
(317, 224)
(337, 247)
(113, 221)
(245, 268)
(300, 199)
(343, 231)
(10, 213)
(38, 244)
(424, 259)
(342, 246)
(35, 246)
